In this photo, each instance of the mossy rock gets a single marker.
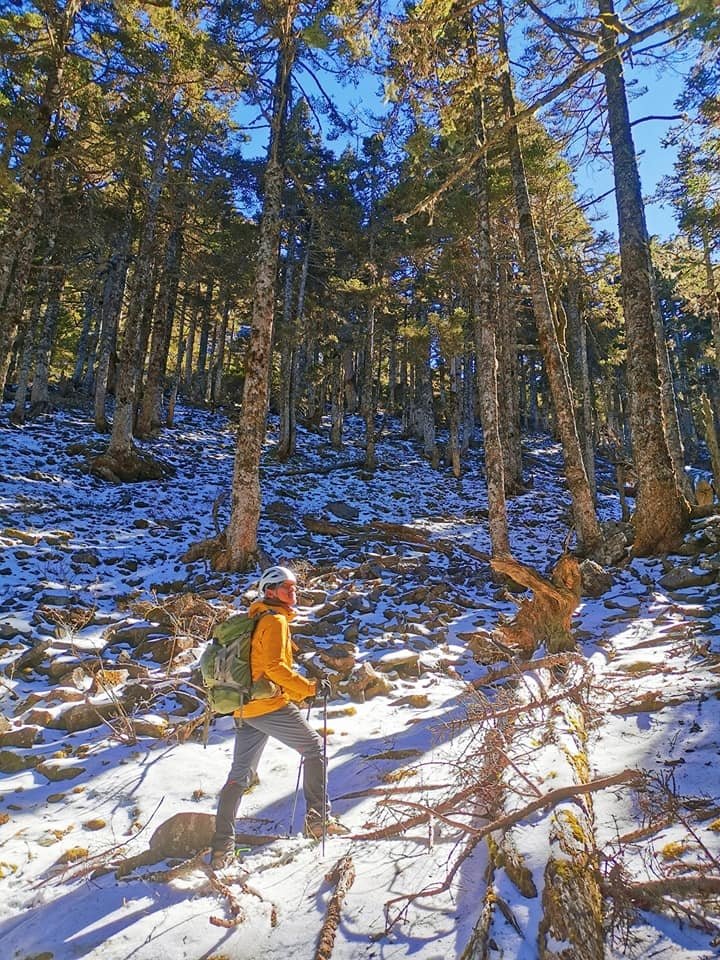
(56, 771)
(11, 762)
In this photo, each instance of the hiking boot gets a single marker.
(223, 857)
(333, 827)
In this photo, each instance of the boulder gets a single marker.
(405, 662)
(11, 762)
(55, 771)
(678, 578)
(364, 683)
(595, 579)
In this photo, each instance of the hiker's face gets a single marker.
(287, 593)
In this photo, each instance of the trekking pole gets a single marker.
(297, 785)
(325, 775)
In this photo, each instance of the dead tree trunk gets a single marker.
(546, 617)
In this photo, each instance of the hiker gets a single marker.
(276, 716)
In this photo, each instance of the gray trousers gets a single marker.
(289, 727)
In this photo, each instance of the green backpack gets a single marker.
(225, 666)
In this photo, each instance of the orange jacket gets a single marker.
(272, 657)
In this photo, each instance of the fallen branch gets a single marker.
(562, 793)
(343, 875)
(690, 887)
(392, 533)
(387, 791)
(523, 666)
(546, 800)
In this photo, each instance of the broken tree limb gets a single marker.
(689, 887)
(522, 666)
(343, 876)
(545, 618)
(546, 800)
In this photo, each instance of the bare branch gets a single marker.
(586, 67)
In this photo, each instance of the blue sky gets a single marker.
(654, 160)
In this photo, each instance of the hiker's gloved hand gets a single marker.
(323, 688)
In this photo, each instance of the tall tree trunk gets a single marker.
(508, 378)
(175, 380)
(368, 390)
(150, 415)
(110, 310)
(668, 399)
(39, 396)
(661, 510)
(241, 532)
(219, 361)
(187, 383)
(337, 409)
(37, 176)
(426, 407)
(485, 328)
(288, 347)
(88, 335)
(27, 352)
(580, 372)
(121, 445)
(586, 522)
(202, 360)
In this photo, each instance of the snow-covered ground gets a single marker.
(79, 556)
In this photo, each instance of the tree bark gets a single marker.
(485, 332)
(110, 309)
(580, 372)
(508, 383)
(586, 523)
(150, 415)
(661, 512)
(241, 532)
(39, 395)
(130, 357)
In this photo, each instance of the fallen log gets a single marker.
(343, 876)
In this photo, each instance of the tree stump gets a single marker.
(545, 618)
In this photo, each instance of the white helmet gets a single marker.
(273, 577)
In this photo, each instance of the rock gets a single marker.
(130, 634)
(364, 683)
(38, 717)
(595, 579)
(352, 632)
(59, 771)
(155, 727)
(342, 510)
(22, 736)
(680, 577)
(84, 716)
(86, 557)
(704, 492)
(418, 700)
(404, 661)
(164, 649)
(14, 627)
(358, 603)
(180, 837)
(11, 762)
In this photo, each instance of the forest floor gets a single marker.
(101, 626)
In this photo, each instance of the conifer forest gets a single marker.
(254, 253)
